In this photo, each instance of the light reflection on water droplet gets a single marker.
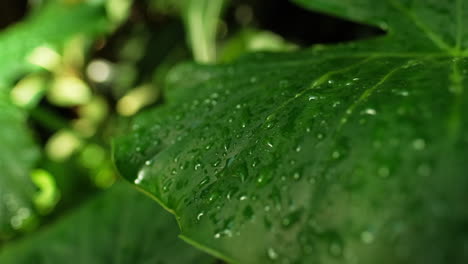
(140, 178)
(370, 111)
(272, 254)
(384, 172)
(336, 154)
(297, 176)
(199, 216)
(419, 144)
(367, 237)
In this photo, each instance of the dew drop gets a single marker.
(419, 144)
(216, 163)
(367, 237)
(384, 172)
(270, 125)
(404, 93)
(204, 181)
(140, 178)
(243, 198)
(336, 154)
(199, 216)
(297, 176)
(370, 111)
(272, 254)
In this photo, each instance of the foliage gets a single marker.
(322, 156)
(341, 153)
(91, 235)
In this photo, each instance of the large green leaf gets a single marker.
(17, 156)
(51, 25)
(121, 226)
(353, 153)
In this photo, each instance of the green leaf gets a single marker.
(50, 26)
(120, 226)
(352, 153)
(18, 155)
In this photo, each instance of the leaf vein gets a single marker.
(436, 39)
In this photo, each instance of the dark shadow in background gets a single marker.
(304, 27)
(12, 11)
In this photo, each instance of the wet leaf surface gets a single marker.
(352, 153)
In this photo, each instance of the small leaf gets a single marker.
(52, 25)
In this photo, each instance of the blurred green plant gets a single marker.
(62, 90)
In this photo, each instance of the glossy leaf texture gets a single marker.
(50, 27)
(18, 154)
(352, 153)
(120, 226)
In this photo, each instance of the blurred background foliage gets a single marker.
(78, 69)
